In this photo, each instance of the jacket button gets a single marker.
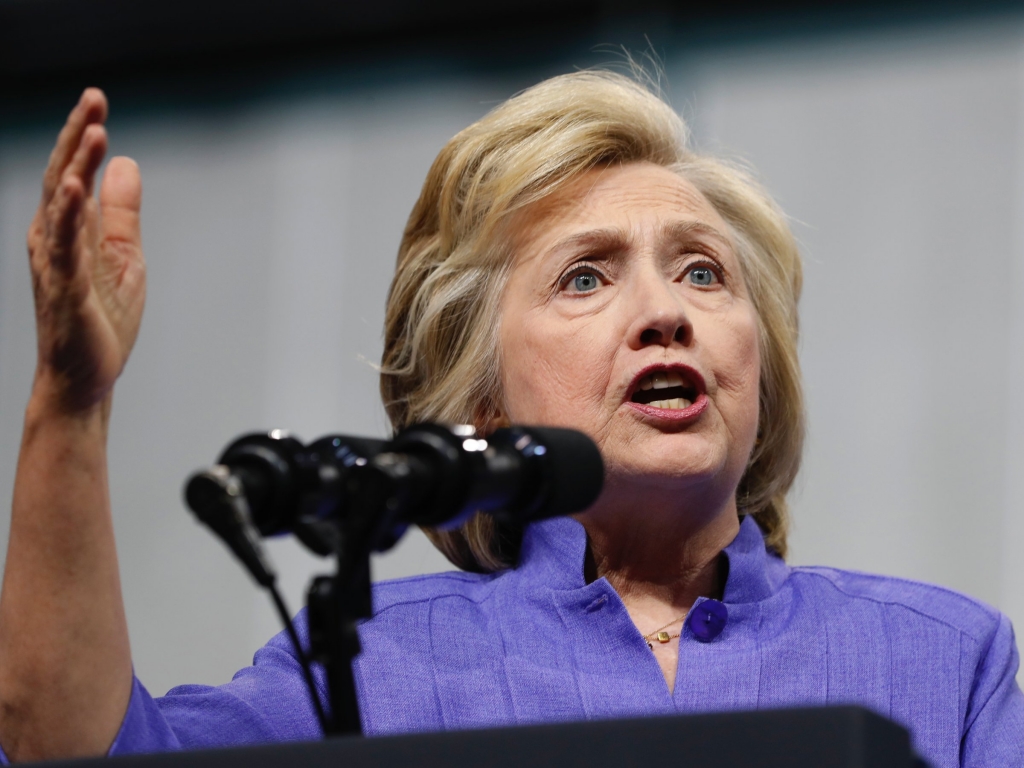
(707, 620)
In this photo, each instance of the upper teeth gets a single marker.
(661, 380)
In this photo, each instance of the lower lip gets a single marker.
(675, 415)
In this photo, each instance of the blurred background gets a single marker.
(282, 146)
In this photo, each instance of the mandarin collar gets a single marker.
(554, 550)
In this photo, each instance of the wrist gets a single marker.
(49, 403)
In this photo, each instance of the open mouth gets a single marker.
(667, 389)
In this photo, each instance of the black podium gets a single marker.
(829, 737)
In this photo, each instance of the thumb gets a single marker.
(121, 200)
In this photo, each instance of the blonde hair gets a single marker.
(441, 357)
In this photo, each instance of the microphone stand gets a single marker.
(337, 603)
(335, 607)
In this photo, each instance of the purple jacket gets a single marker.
(539, 644)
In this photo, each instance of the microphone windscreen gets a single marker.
(573, 469)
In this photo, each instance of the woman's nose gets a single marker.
(661, 318)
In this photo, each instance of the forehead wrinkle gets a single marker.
(531, 223)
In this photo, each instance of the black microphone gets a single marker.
(290, 487)
(427, 475)
(438, 477)
(219, 500)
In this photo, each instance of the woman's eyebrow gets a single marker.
(685, 230)
(609, 240)
(601, 240)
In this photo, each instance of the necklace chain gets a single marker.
(660, 634)
(666, 625)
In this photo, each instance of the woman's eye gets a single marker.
(584, 282)
(702, 276)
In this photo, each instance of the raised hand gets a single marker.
(88, 272)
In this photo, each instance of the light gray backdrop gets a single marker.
(270, 231)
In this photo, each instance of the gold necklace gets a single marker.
(660, 634)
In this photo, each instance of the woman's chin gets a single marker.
(662, 469)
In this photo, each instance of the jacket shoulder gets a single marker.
(930, 602)
(420, 590)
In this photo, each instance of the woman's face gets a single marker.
(626, 316)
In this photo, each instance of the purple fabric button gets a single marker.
(707, 620)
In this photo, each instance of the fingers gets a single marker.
(91, 109)
(63, 211)
(87, 158)
(68, 181)
(62, 224)
(120, 201)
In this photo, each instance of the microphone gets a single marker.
(219, 501)
(438, 477)
(427, 475)
(289, 487)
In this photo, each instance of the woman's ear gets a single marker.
(497, 419)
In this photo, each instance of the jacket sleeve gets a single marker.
(994, 723)
(266, 702)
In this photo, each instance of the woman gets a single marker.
(569, 262)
